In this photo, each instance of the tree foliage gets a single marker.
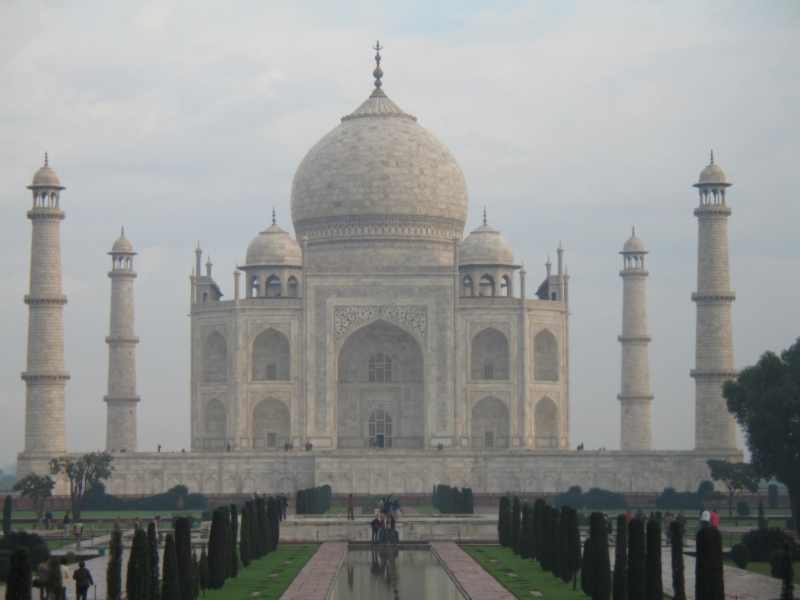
(555, 542)
(274, 518)
(620, 589)
(114, 567)
(544, 538)
(155, 570)
(264, 534)
(171, 580)
(736, 477)
(565, 570)
(37, 547)
(765, 400)
(234, 541)
(594, 499)
(575, 557)
(787, 573)
(137, 582)
(709, 578)
(83, 473)
(37, 488)
(586, 571)
(7, 516)
(636, 560)
(600, 564)
(218, 549)
(678, 574)
(538, 508)
(183, 553)
(202, 571)
(252, 520)
(18, 585)
(516, 524)
(654, 589)
(526, 539)
(245, 548)
(504, 522)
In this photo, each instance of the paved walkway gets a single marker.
(473, 579)
(316, 579)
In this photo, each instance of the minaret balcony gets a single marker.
(59, 300)
(714, 297)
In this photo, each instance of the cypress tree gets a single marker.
(245, 548)
(620, 590)
(137, 582)
(709, 580)
(654, 590)
(504, 514)
(586, 571)
(678, 578)
(152, 549)
(538, 507)
(525, 544)
(555, 542)
(195, 575)
(18, 583)
(544, 538)
(565, 570)
(202, 576)
(516, 525)
(170, 582)
(575, 555)
(255, 547)
(274, 517)
(787, 572)
(600, 563)
(265, 537)
(7, 516)
(469, 501)
(217, 551)
(114, 567)
(636, 560)
(183, 553)
(234, 541)
(54, 586)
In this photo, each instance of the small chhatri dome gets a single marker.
(633, 244)
(46, 177)
(712, 174)
(485, 246)
(274, 247)
(122, 245)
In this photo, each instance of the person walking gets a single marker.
(383, 530)
(628, 516)
(65, 523)
(41, 578)
(350, 507)
(83, 581)
(705, 517)
(64, 577)
(668, 519)
(283, 502)
(714, 519)
(376, 525)
(681, 518)
(78, 531)
(159, 533)
(48, 517)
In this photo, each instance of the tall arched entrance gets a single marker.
(380, 391)
(271, 424)
(490, 424)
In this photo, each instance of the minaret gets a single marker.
(45, 377)
(714, 425)
(635, 398)
(121, 399)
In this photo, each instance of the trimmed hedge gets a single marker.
(313, 501)
(451, 501)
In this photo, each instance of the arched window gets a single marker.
(271, 424)
(215, 358)
(489, 355)
(205, 297)
(253, 287)
(215, 420)
(380, 429)
(545, 356)
(380, 368)
(505, 286)
(273, 287)
(486, 286)
(271, 356)
(546, 423)
(293, 287)
(467, 286)
(490, 424)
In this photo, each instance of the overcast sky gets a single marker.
(572, 121)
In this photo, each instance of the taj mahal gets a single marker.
(391, 351)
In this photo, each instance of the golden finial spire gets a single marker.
(45, 160)
(484, 215)
(273, 215)
(712, 157)
(122, 234)
(377, 73)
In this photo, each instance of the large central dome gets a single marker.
(378, 175)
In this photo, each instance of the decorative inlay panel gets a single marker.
(222, 397)
(260, 395)
(284, 328)
(476, 396)
(219, 327)
(478, 326)
(322, 294)
(554, 328)
(490, 301)
(413, 317)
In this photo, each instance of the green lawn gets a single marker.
(530, 576)
(427, 510)
(257, 580)
(337, 510)
(762, 568)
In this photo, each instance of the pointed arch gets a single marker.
(489, 355)
(467, 287)
(273, 287)
(486, 286)
(271, 424)
(271, 356)
(215, 358)
(506, 288)
(490, 424)
(545, 418)
(215, 424)
(545, 356)
(292, 287)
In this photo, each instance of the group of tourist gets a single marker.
(384, 525)
(82, 577)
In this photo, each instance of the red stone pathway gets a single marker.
(315, 580)
(473, 578)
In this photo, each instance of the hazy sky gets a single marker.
(572, 121)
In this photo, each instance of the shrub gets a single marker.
(653, 587)
(575, 558)
(672, 500)
(467, 501)
(787, 573)
(18, 586)
(207, 515)
(252, 519)
(504, 522)
(37, 548)
(740, 555)
(678, 577)
(170, 583)
(5, 558)
(572, 497)
(743, 508)
(621, 560)
(772, 495)
(594, 499)
(636, 560)
(516, 525)
(763, 542)
(776, 564)
(114, 567)
(709, 579)
(762, 519)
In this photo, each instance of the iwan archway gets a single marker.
(380, 394)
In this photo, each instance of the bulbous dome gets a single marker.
(274, 247)
(46, 177)
(712, 174)
(122, 246)
(485, 246)
(379, 173)
(634, 244)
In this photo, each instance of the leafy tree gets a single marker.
(37, 547)
(600, 563)
(18, 585)
(636, 560)
(709, 579)
(218, 548)
(678, 577)
(555, 542)
(772, 495)
(575, 557)
(743, 508)
(7, 516)
(671, 499)
(171, 581)
(137, 583)
(787, 573)
(620, 589)
(736, 477)
(538, 508)
(765, 400)
(234, 541)
(155, 574)
(264, 534)
(516, 525)
(525, 546)
(654, 590)
(245, 548)
(565, 570)
(183, 554)
(544, 546)
(38, 489)
(504, 522)
(202, 569)
(273, 513)
(586, 571)
(83, 473)
(114, 567)
(762, 542)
